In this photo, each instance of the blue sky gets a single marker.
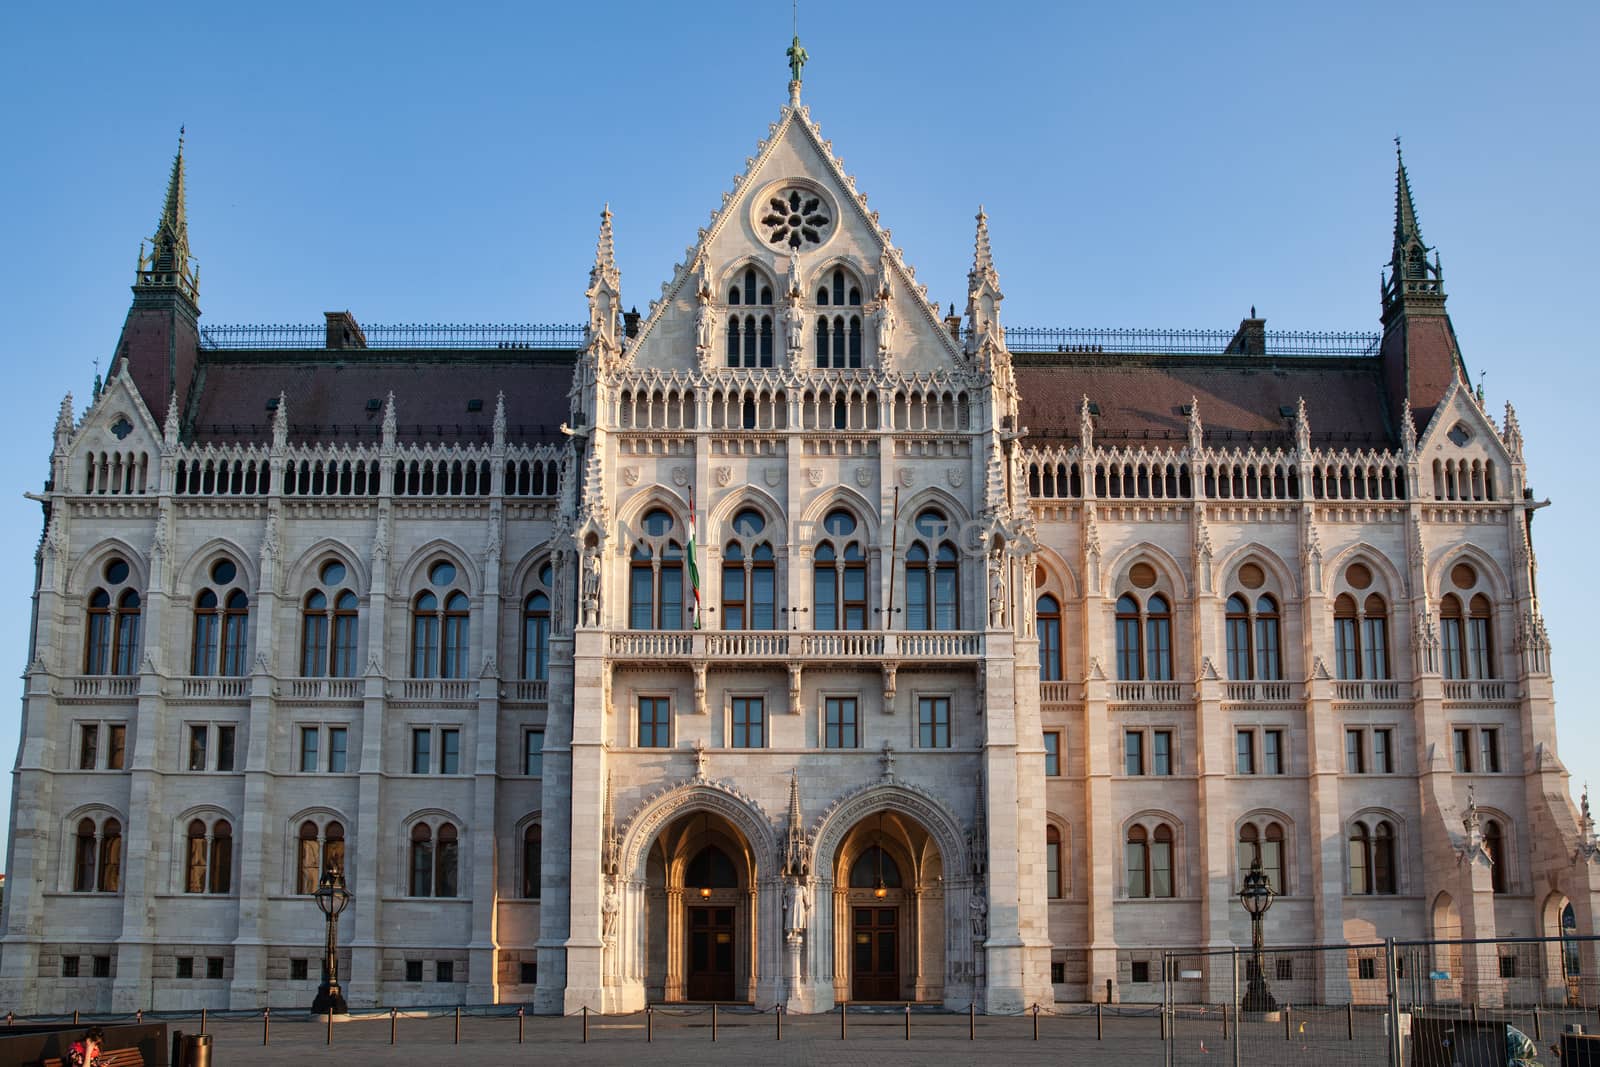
(1142, 165)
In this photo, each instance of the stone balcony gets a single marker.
(862, 647)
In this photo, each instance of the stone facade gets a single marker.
(966, 710)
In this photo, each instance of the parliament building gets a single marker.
(793, 641)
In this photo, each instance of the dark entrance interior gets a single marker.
(875, 945)
(710, 974)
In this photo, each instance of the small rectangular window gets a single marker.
(69, 966)
(413, 970)
(117, 749)
(1508, 966)
(1161, 753)
(933, 722)
(749, 722)
(1141, 971)
(185, 966)
(309, 741)
(533, 753)
(444, 971)
(449, 751)
(1462, 740)
(102, 966)
(1285, 969)
(1366, 968)
(529, 973)
(213, 966)
(1058, 972)
(1245, 752)
(338, 749)
(421, 751)
(88, 747)
(1382, 751)
(1133, 752)
(1354, 753)
(1489, 751)
(197, 747)
(225, 736)
(655, 722)
(298, 970)
(1052, 753)
(840, 723)
(1272, 752)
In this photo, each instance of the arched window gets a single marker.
(1137, 856)
(1494, 842)
(839, 289)
(444, 876)
(440, 635)
(1161, 880)
(1263, 846)
(750, 288)
(421, 860)
(874, 867)
(1466, 636)
(532, 843)
(434, 860)
(655, 576)
(1052, 857)
(1149, 862)
(208, 857)
(321, 849)
(1254, 645)
(1144, 639)
(1480, 645)
(328, 635)
(84, 853)
(839, 575)
(1372, 858)
(221, 623)
(1383, 868)
(109, 877)
(1452, 637)
(536, 636)
(111, 634)
(1047, 614)
(933, 588)
(711, 869)
(1375, 637)
(1346, 637)
(749, 578)
(1360, 860)
(838, 342)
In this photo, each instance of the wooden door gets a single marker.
(710, 972)
(875, 953)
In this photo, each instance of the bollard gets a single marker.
(458, 1024)
(74, 1016)
(1100, 1021)
(1474, 1013)
(266, 1025)
(713, 1020)
(844, 1006)
(330, 1024)
(1036, 1020)
(202, 1020)
(519, 1025)
(394, 1014)
(1224, 1022)
(1163, 1022)
(1349, 1022)
(908, 1020)
(586, 1024)
(779, 1015)
(1288, 1015)
(972, 1020)
(1538, 1025)
(649, 1024)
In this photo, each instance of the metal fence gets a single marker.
(1404, 1003)
(517, 335)
(1185, 342)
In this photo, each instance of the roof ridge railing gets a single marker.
(1186, 342)
(427, 335)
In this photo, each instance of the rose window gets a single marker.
(796, 218)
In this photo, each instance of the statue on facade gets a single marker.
(885, 321)
(609, 909)
(796, 907)
(591, 588)
(978, 909)
(997, 590)
(794, 316)
(797, 58)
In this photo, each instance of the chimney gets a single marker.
(1250, 339)
(344, 331)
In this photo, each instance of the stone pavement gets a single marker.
(874, 1040)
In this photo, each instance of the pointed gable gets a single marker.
(793, 218)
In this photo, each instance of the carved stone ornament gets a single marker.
(956, 477)
(724, 475)
(680, 476)
(907, 477)
(630, 476)
(863, 476)
(772, 476)
(813, 476)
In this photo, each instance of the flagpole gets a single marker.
(894, 551)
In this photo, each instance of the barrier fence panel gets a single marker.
(1403, 1003)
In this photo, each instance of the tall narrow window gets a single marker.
(1144, 639)
(839, 575)
(532, 860)
(1461, 742)
(1375, 637)
(1052, 858)
(1480, 646)
(1494, 842)
(1052, 753)
(1488, 751)
(1133, 752)
(333, 847)
(932, 576)
(840, 723)
(749, 722)
(1047, 617)
(203, 655)
(310, 759)
(425, 636)
(1161, 752)
(1272, 856)
(1346, 637)
(1269, 662)
(109, 877)
(221, 856)
(445, 863)
(97, 638)
(421, 751)
(1253, 639)
(88, 747)
(439, 634)
(533, 753)
(84, 857)
(1452, 638)
(314, 635)
(309, 858)
(1138, 862)
(1360, 860)
(421, 860)
(345, 613)
(655, 724)
(1272, 752)
(116, 751)
(1244, 752)
(125, 654)
(1238, 626)
(1249, 848)
(1382, 751)
(1355, 760)
(1383, 868)
(235, 626)
(536, 636)
(655, 579)
(195, 858)
(1161, 881)
(933, 722)
(328, 633)
(449, 751)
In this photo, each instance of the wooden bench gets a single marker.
(121, 1057)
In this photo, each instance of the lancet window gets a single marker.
(111, 636)
(221, 622)
(750, 332)
(1254, 646)
(434, 860)
(1144, 631)
(328, 626)
(97, 855)
(1361, 637)
(1372, 857)
(655, 575)
(933, 587)
(1149, 861)
(839, 575)
(440, 621)
(208, 857)
(1047, 621)
(536, 627)
(320, 849)
(749, 576)
(1263, 843)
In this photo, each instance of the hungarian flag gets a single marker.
(694, 565)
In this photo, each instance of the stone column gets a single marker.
(672, 988)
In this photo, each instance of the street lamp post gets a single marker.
(332, 897)
(1256, 896)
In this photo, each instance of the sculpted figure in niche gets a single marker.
(979, 910)
(997, 590)
(609, 909)
(797, 907)
(591, 588)
(794, 317)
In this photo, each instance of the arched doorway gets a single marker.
(889, 911)
(700, 911)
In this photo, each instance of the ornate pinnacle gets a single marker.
(500, 418)
(982, 256)
(1408, 428)
(1406, 228)
(389, 428)
(1085, 426)
(605, 252)
(64, 419)
(1512, 435)
(1302, 427)
(1196, 431)
(280, 423)
(169, 425)
(794, 800)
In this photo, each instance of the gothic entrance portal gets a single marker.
(701, 912)
(889, 916)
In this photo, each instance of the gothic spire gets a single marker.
(169, 263)
(983, 293)
(1406, 229)
(605, 289)
(1412, 279)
